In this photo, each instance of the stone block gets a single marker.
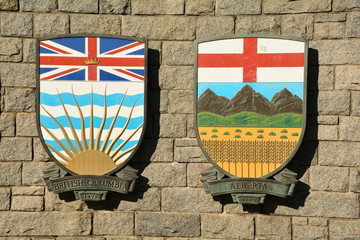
(328, 132)
(15, 149)
(29, 51)
(298, 25)
(167, 224)
(344, 229)
(19, 100)
(284, 6)
(178, 53)
(37, 223)
(7, 124)
(238, 7)
(149, 201)
(299, 221)
(334, 103)
(349, 128)
(115, 6)
(157, 7)
(176, 77)
(10, 49)
(10, 174)
(333, 179)
(9, 5)
(113, 223)
(273, 227)
(347, 77)
(342, 154)
(89, 6)
(195, 7)
(27, 203)
(352, 25)
(95, 24)
(165, 174)
(329, 30)
(354, 180)
(32, 173)
(54, 203)
(321, 78)
(163, 150)
(310, 232)
(16, 24)
(28, 191)
(342, 205)
(40, 155)
(159, 28)
(38, 5)
(130, 238)
(189, 154)
(5, 199)
(172, 125)
(258, 25)
(234, 208)
(191, 128)
(319, 222)
(330, 17)
(18, 75)
(214, 26)
(328, 120)
(26, 124)
(194, 174)
(337, 51)
(227, 226)
(186, 142)
(188, 200)
(355, 103)
(181, 101)
(51, 25)
(345, 5)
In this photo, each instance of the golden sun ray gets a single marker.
(98, 136)
(108, 150)
(112, 124)
(70, 124)
(83, 135)
(62, 130)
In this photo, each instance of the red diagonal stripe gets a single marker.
(53, 48)
(125, 48)
(130, 74)
(60, 73)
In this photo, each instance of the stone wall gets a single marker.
(170, 202)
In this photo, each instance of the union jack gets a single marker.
(91, 59)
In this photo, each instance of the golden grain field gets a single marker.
(249, 152)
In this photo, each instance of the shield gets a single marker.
(91, 101)
(250, 102)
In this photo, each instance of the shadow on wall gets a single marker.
(305, 156)
(141, 159)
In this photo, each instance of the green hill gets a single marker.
(250, 119)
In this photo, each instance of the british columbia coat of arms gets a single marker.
(250, 113)
(91, 112)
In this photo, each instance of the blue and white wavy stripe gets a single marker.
(76, 122)
(85, 99)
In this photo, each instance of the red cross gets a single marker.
(92, 50)
(250, 60)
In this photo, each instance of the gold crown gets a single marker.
(92, 61)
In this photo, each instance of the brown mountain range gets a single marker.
(246, 99)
